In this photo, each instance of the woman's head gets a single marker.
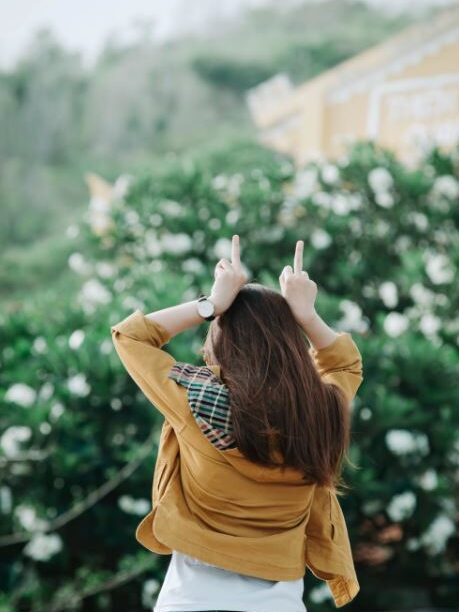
(278, 399)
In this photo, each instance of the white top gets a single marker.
(191, 584)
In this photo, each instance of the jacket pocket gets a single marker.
(159, 485)
(320, 524)
(336, 517)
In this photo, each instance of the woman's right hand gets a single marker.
(298, 289)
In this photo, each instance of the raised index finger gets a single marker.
(298, 259)
(235, 251)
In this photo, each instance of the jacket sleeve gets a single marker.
(340, 363)
(138, 341)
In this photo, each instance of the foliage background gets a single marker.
(77, 439)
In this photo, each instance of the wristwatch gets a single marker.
(206, 308)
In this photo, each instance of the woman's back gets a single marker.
(245, 463)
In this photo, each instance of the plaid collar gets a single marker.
(209, 401)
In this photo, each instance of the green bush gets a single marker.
(79, 440)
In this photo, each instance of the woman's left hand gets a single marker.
(229, 278)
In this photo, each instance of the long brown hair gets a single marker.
(278, 400)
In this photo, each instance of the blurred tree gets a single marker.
(143, 99)
(224, 73)
(43, 98)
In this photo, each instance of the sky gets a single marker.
(84, 25)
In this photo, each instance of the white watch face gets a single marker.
(205, 308)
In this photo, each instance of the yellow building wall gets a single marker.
(404, 112)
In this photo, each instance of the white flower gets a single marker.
(134, 506)
(46, 391)
(235, 181)
(340, 204)
(372, 506)
(21, 394)
(419, 219)
(131, 217)
(12, 438)
(305, 183)
(27, 517)
(116, 403)
(57, 410)
(380, 180)
(76, 339)
(133, 303)
(100, 223)
(395, 324)
(155, 220)
(330, 174)
(320, 239)
(402, 441)
(356, 227)
(388, 293)
(43, 546)
(402, 243)
(45, 428)
(78, 264)
(402, 506)
(381, 227)
(272, 234)
(384, 199)
(446, 186)
(429, 324)
(106, 347)
(428, 480)
(121, 186)
(355, 201)
(176, 243)
(413, 544)
(6, 500)
(322, 198)
(219, 182)
(352, 319)
(98, 204)
(436, 536)
(193, 265)
(150, 587)
(78, 385)
(152, 244)
(214, 224)
(453, 453)
(72, 231)
(439, 268)
(222, 248)
(39, 345)
(93, 293)
(232, 216)
(421, 295)
(105, 269)
(320, 593)
(171, 208)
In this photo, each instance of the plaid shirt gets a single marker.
(209, 400)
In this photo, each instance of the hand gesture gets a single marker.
(229, 278)
(297, 288)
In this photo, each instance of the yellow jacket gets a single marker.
(218, 506)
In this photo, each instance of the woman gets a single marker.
(252, 446)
